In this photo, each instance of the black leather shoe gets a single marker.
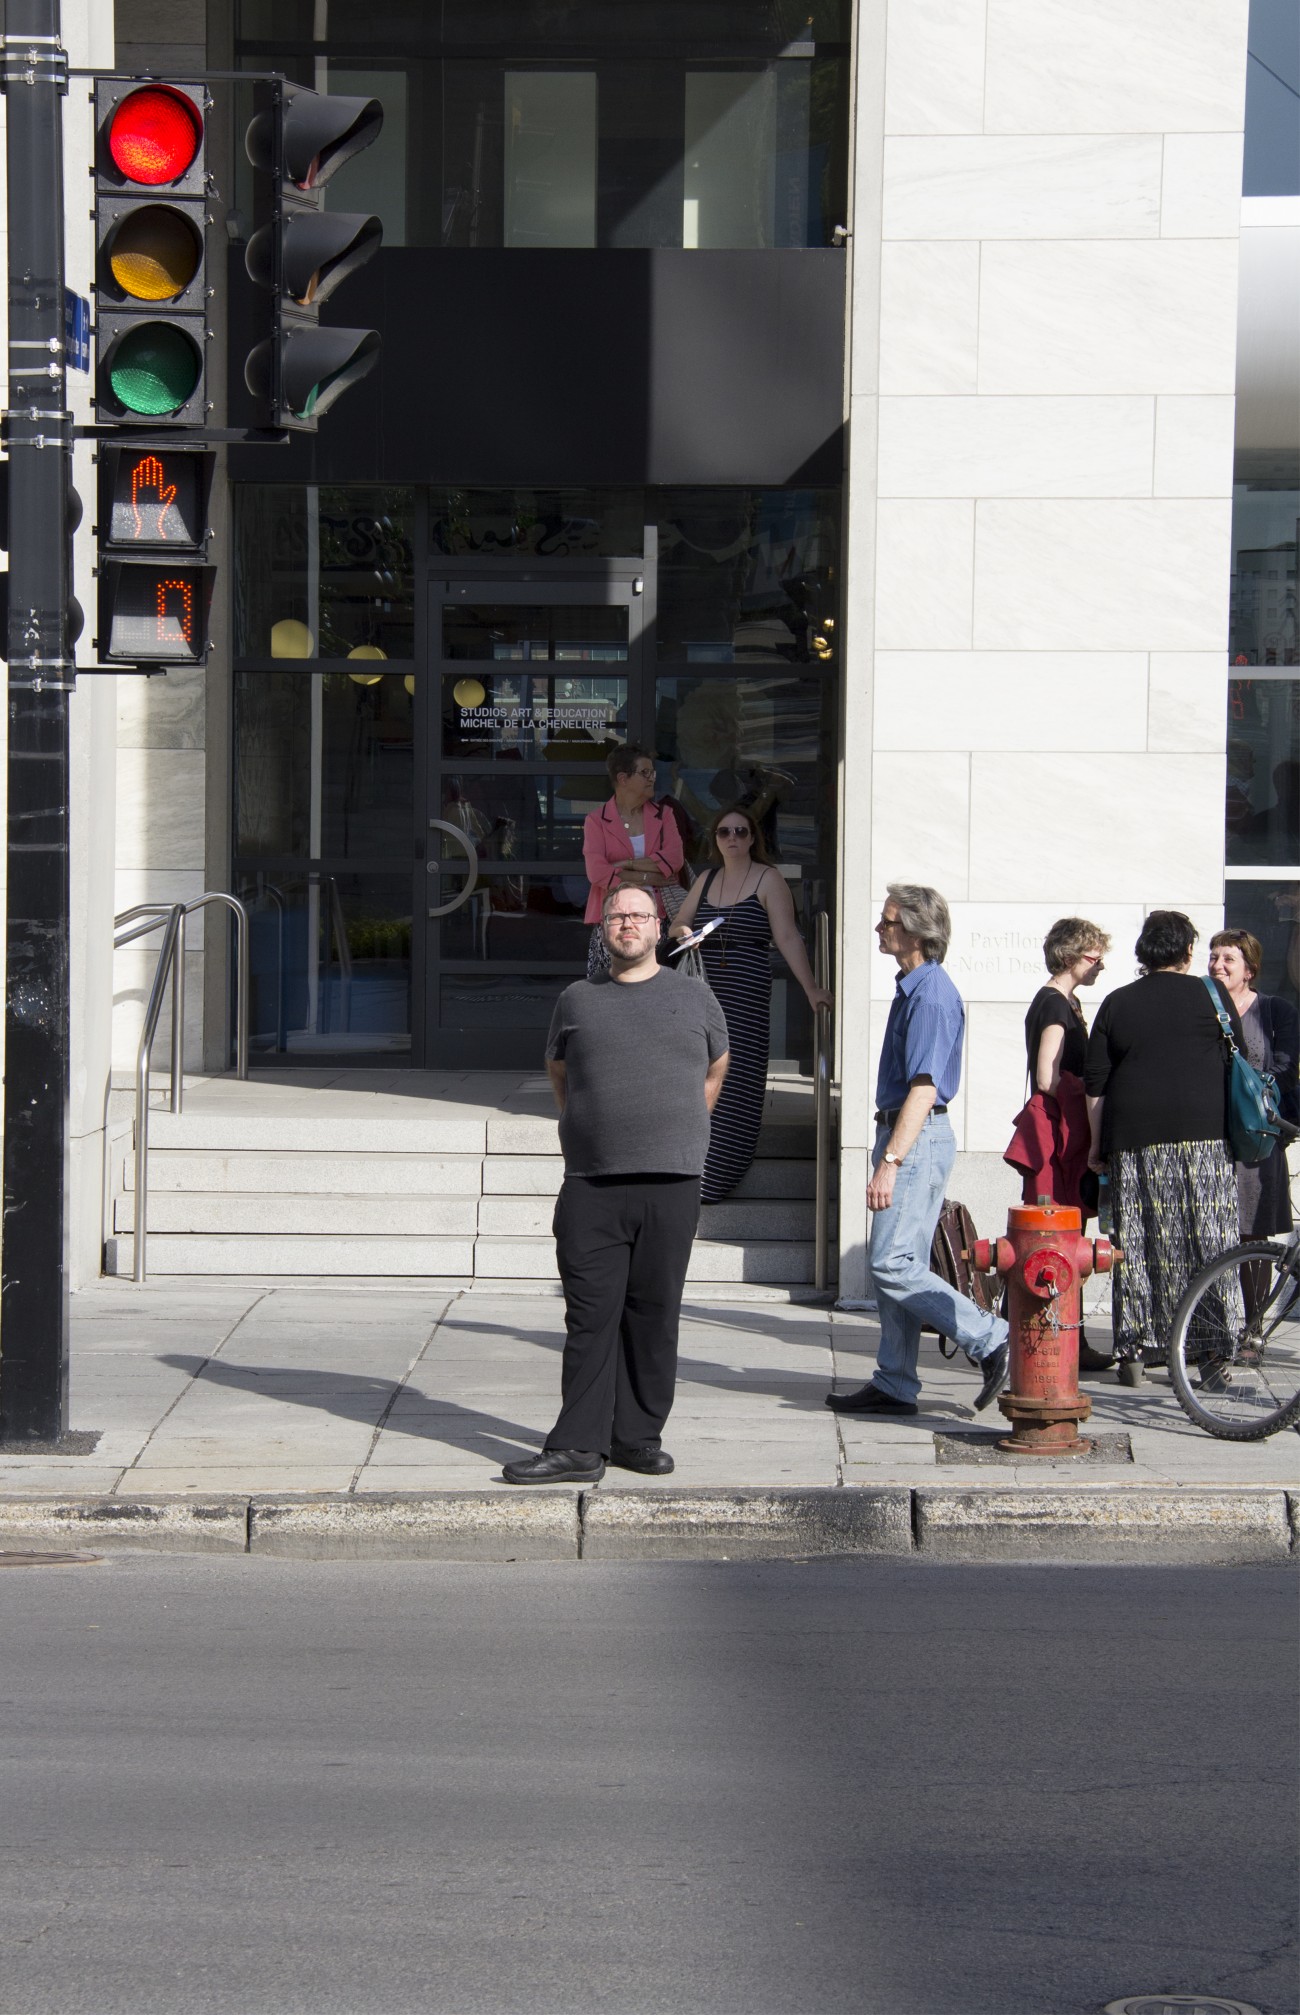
(996, 1369)
(869, 1399)
(556, 1465)
(645, 1461)
(1094, 1360)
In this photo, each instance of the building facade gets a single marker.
(886, 413)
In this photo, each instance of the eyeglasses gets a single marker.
(630, 917)
(733, 832)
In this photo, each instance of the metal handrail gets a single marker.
(822, 1105)
(240, 915)
(155, 917)
(166, 963)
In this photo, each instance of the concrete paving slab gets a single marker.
(241, 1479)
(57, 1475)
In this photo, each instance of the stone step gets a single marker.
(530, 1217)
(711, 1259)
(361, 1258)
(309, 1172)
(519, 1259)
(357, 1130)
(541, 1175)
(244, 1213)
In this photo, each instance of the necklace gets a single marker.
(730, 910)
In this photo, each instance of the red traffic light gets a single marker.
(155, 134)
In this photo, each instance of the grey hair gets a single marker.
(923, 914)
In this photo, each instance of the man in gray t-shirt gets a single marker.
(636, 1059)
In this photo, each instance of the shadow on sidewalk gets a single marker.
(367, 1401)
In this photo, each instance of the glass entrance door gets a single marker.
(531, 683)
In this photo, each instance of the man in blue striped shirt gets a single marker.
(920, 1068)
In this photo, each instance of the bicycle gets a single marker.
(1234, 1349)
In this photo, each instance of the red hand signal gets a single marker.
(149, 474)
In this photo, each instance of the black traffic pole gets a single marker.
(37, 435)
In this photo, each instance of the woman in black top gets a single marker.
(1056, 1044)
(1157, 1086)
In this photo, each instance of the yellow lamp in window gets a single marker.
(366, 678)
(409, 683)
(469, 692)
(290, 639)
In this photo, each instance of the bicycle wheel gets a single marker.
(1234, 1350)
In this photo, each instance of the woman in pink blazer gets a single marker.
(630, 842)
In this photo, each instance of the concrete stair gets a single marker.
(418, 1196)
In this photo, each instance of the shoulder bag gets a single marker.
(1254, 1116)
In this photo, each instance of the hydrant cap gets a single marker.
(1057, 1217)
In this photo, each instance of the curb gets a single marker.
(1109, 1524)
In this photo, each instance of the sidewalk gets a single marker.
(239, 1390)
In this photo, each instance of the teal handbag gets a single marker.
(1254, 1120)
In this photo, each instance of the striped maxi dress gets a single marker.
(737, 963)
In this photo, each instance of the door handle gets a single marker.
(471, 862)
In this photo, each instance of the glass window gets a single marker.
(546, 524)
(748, 576)
(503, 1001)
(330, 962)
(324, 764)
(521, 817)
(1272, 154)
(1262, 608)
(550, 157)
(504, 630)
(527, 718)
(520, 918)
(757, 741)
(323, 572)
(588, 122)
(1270, 910)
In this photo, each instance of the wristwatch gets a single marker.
(894, 1160)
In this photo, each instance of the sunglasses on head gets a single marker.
(733, 832)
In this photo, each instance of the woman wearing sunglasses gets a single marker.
(751, 903)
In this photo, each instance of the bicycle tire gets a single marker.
(1209, 1334)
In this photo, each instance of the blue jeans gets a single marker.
(907, 1293)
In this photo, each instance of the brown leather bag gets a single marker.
(954, 1238)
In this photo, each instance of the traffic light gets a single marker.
(151, 278)
(299, 251)
(155, 592)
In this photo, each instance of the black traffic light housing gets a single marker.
(155, 590)
(300, 252)
(151, 278)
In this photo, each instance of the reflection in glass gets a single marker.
(324, 765)
(1263, 795)
(528, 718)
(547, 524)
(503, 1002)
(729, 192)
(1271, 912)
(504, 631)
(748, 576)
(524, 817)
(1263, 613)
(755, 741)
(550, 157)
(518, 917)
(336, 561)
(330, 962)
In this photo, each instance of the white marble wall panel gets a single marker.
(1009, 447)
(924, 567)
(1194, 446)
(160, 809)
(1126, 316)
(996, 952)
(1114, 66)
(919, 806)
(166, 712)
(1187, 707)
(151, 885)
(934, 66)
(133, 977)
(993, 1080)
(992, 700)
(1029, 186)
(1127, 574)
(929, 319)
(1126, 824)
(1200, 187)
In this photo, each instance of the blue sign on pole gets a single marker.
(76, 330)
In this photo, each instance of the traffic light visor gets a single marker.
(155, 252)
(154, 368)
(154, 135)
(318, 133)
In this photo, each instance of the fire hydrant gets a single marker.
(1044, 1260)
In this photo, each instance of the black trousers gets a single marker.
(623, 1244)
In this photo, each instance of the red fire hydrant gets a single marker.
(1044, 1260)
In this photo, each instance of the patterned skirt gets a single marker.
(1175, 1209)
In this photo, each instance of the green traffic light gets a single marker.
(154, 369)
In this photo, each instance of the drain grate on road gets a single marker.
(1178, 2004)
(980, 1444)
(77, 1441)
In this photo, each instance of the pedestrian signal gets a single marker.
(300, 252)
(151, 280)
(155, 590)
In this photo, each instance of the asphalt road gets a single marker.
(257, 1788)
